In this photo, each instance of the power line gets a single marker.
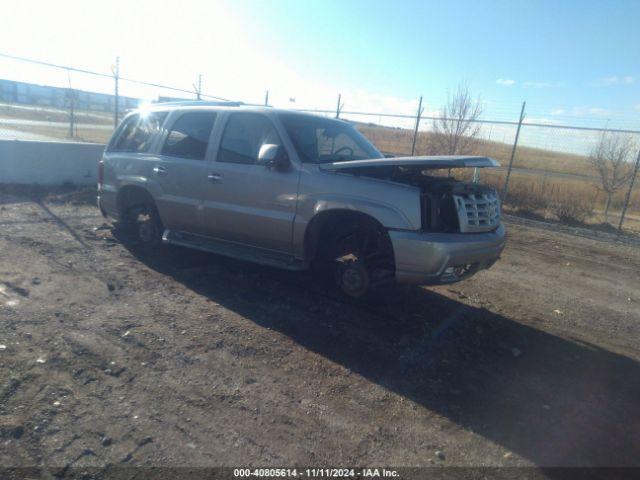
(388, 115)
(107, 75)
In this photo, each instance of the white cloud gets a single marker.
(637, 107)
(614, 80)
(599, 112)
(591, 112)
(583, 112)
(505, 82)
(541, 120)
(539, 84)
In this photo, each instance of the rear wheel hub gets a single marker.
(148, 231)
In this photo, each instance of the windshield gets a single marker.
(323, 140)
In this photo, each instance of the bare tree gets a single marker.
(455, 131)
(610, 157)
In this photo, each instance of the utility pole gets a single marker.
(71, 94)
(116, 76)
(72, 100)
(513, 154)
(266, 99)
(199, 88)
(415, 132)
(339, 106)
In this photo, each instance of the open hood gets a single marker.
(415, 163)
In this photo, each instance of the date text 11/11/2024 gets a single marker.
(315, 473)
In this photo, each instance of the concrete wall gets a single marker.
(49, 163)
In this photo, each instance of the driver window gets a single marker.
(243, 136)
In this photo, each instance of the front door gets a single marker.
(247, 202)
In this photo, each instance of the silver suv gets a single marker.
(296, 191)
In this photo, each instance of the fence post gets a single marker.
(415, 132)
(513, 154)
(199, 89)
(71, 97)
(116, 77)
(266, 99)
(628, 196)
(339, 106)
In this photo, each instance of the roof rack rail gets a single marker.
(199, 103)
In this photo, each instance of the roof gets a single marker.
(206, 105)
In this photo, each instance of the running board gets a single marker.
(234, 250)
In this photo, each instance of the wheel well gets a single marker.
(325, 224)
(132, 196)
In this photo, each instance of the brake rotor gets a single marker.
(353, 278)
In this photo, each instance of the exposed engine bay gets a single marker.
(448, 205)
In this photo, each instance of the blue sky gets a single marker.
(563, 57)
(572, 61)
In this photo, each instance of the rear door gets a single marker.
(128, 158)
(247, 202)
(180, 172)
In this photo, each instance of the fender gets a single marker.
(387, 214)
(310, 206)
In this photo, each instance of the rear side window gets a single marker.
(189, 136)
(243, 136)
(138, 132)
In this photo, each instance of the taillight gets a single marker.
(100, 172)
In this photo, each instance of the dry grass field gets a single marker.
(398, 141)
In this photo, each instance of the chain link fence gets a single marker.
(546, 171)
(551, 177)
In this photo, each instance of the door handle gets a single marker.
(214, 177)
(160, 170)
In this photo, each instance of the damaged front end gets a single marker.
(447, 205)
(461, 232)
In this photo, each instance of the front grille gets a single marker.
(477, 212)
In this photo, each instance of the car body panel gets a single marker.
(422, 162)
(392, 205)
(251, 204)
(178, 184)
(422, 258)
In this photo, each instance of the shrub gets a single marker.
(572, 210)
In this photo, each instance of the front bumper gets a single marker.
(433, 258)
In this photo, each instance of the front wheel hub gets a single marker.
(353, 279)
(147, 231)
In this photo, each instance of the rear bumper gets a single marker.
(102, 210)
(433, 258)
(107, 204)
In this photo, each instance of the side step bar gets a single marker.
(234, 250)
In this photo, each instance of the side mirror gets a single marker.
(273, 156)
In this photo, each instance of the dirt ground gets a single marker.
(113, 356)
